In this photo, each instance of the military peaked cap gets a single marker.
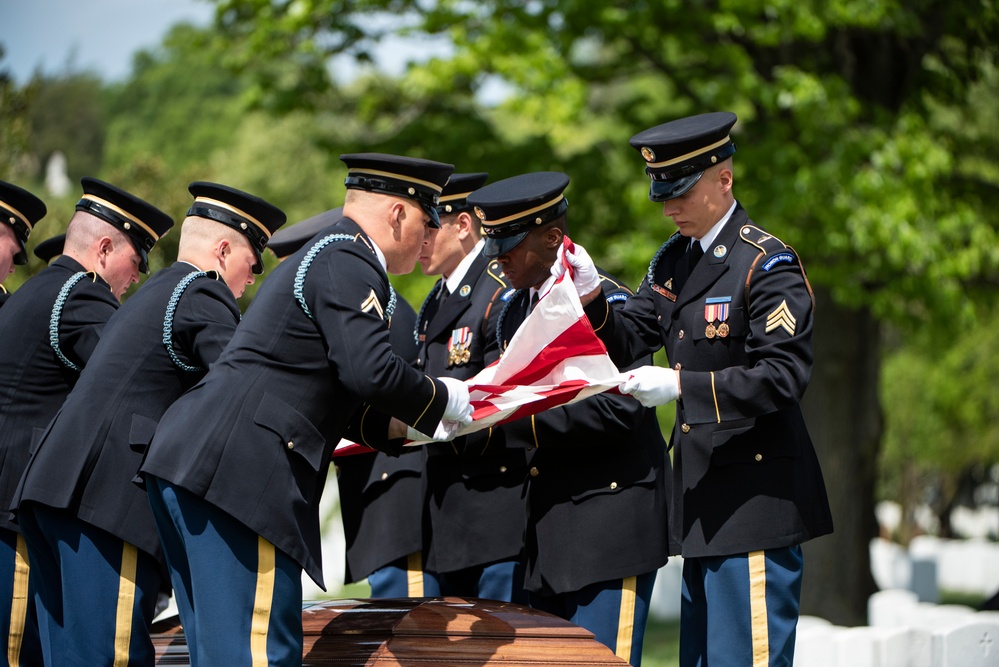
(458, 187)
(143, 223)
(677, 153)
(252, 216)
(287, 241)
(51, 248)
(412, 178)
(511, 208)
(21, 210)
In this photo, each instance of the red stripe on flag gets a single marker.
(576, 341)
(554, 399)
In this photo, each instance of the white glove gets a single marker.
(458, 409)
(652, 385)
(584, 272)
(446, 430)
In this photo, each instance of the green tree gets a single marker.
(67, 115)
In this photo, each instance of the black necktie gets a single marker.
(696, 252)
(685, 266)
(534, 302)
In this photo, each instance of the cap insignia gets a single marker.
(411, 191)
(479, 213)
(648, 154)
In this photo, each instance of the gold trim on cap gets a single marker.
(399, 177)
(700, 151)
(240, 213)
(120, 211)
(523, 214)
(463, 195)
(13, 210)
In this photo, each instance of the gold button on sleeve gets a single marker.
(685, 428)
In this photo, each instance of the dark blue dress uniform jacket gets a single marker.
(475, 485)
(256, 435)
(598, 481)
(87, 458)
(34, 379)
(381, 496)
(746, 475)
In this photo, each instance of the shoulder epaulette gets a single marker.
(171, 311)
(496, 273)
(56, 317)
(310, 256)
(765, 241)
(655, 258)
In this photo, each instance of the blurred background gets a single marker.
(868, 139)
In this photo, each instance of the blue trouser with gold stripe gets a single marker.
(501, 581)
(95, 593)
(239, 597)
(18, 622)
(614, 611)
(404, 578)
(740, 610)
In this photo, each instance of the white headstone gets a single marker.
(665, 602)
(815, 645)
(57, 183)
(889, 564)
(890, 609)
(970, 645)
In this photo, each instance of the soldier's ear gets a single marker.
(553, 237)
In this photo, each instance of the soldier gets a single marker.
(597, 510)
(475, 485)
(77, 488)
(236, 470)
(381, 496)
(20, 211)
(737, 326)
(48, 331)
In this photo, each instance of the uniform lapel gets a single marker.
(712, 267)
(455, 304)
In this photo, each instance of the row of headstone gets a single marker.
(903, 632)
(931, 564)
(966, 522)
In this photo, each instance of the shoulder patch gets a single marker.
(619, 296)
(507, 295)
(755, 236)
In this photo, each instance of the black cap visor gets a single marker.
(661, 191)
(495, 247)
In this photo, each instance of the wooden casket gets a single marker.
(424, 631)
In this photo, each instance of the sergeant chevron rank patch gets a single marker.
(781, 318)
(371, 303)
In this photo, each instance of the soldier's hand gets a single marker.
(585, 278)
(652, 385)
(458, 409)
(446, 430)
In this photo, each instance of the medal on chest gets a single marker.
(716, 310)
(458, 347)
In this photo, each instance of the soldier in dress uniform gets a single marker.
(50, 248)
(597, 501)
(381, 496)
(236, 469)
(731, 305)
(19, 211)
(475, 504)
(77, 488)
(49, 329)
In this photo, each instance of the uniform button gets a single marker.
(677, 367)
(680, 334)
(384, 476)
(759, 457)
(613, 485)
(502, 468)
(685, 428)
(659, 318)
(534, 472)
(291, 444)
